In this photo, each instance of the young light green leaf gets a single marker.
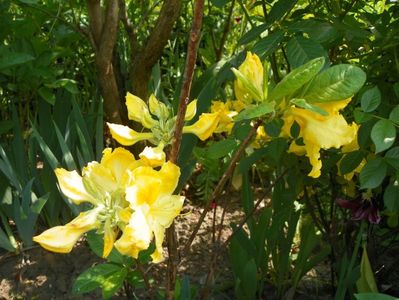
(336, 83)
(366, 283)
(373, 173)
(371, 99)
(383, 135)
(296, 79)
(302, 103)
(255, 111)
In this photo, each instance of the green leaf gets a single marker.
(255, 111)
(295, 130)
(249, 279)
(350, 161)
(302, 103)
(391, 197)
(96, 244)
(371, 99)
(300, 50)
(268, 44)
(47, 95)
(221, 148)
(396, 89)
(374, 296)
(394, 115)
(107, 276)
(252, 34)
(366, 283)
(392, 157)
(219, 3)
(279, 9)
(373, 173)
(383, 135)
(14, 59)
(336, 83)
(296, 79)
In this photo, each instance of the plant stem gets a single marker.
(219, 188)
(192, 49)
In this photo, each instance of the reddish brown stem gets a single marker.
(219, 188)
(192, 49)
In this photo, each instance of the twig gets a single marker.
(192, 49)
(219, 188)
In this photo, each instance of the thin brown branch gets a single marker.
(96, 19)
(128, 25)
(192, 49)
(219, 188)
(109, 31)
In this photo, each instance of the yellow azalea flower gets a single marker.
(226, 114)
(149, 194)
(101, 184)
(319, 132)
(191, 110)
(205, 126)
(252, 69)
(138, 111)
(261, 138)
(127, 136)
(61, 239)
(153, 157)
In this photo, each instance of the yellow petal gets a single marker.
(169, 174)
(158, 108)
(138, 111)
(136, 236)
(71, 185)
(191, 110)
(204, 127)
(252, 69)
(109, 239)
(166, 208)
(144, 187)
(117, 161)
(98, 180)
(159, 233)
(226, 115)
(153, 157)
(61, 239)
(126, 136)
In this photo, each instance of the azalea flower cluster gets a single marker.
(132, 203)
(317, 131)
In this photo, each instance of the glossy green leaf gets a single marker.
(279, 9)
(391, 197)
(371, 99)
(300, 50)
(255, 111)
(302, 103)
(350, 161)
(394, 115)
(383, 135)
(14, 59)
(221, 148)
(268, 44)
(373, 173)
(47, 95)
(296, 79)
(252, 34)
(392, 157)
(336, 83)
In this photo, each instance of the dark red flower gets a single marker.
(362, 209)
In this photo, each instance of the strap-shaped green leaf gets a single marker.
(302, 103)
(296, 79)
(336, 83)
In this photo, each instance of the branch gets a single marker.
(127, 23)
(96, 19)
(109, 31)
(192, 49)
(219, 188)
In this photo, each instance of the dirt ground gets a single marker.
(39, 274)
